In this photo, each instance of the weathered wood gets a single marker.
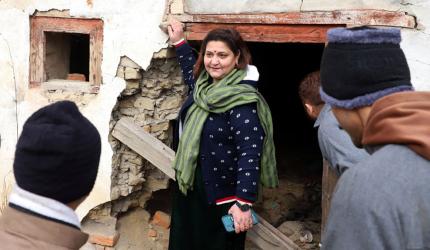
(264, 33)
(69, 85)
(337, 17)
(265, 236)
(41, 24)
(145, 145)
(262, 234)
(329, 181)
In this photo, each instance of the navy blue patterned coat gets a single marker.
(231, 143)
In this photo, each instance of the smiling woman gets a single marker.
(226, 144)
(219, 60)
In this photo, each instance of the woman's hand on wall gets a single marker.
(242, 220)
(175, 30)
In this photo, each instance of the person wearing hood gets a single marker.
(383, 202)
(225, 148)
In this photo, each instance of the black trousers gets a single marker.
(196, 225)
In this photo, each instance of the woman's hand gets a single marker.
(175, 30)
(242, 220)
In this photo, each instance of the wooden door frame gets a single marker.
(303, 27)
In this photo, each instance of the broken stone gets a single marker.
(145, 103)
(164, 53)
(149, 83)
(132, 73)
(127, 102)
(132, 84)
(151, 93)
(134, 180)
(159, 127)
(127, 62)
(170, 102)
(115, 193)
(129, 111)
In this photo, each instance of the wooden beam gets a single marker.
(265, 236)
(337, 17)
(264, 33)
(145, 145)
(262, 234)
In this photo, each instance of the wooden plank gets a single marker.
(329, 181)
(264, 33)
(263, 234)
(338, 17)
(145, 145)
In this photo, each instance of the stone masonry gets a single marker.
(152, 98)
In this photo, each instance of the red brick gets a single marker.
(104, 240)
(76, 77)
(161, 219)
(152, 233)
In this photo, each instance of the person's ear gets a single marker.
(309, 108)
(237, 59)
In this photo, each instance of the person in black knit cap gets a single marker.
(55, 167)
(383, 202)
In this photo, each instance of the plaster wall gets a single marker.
(130, 28)
(415, 41)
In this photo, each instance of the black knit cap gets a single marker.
(58, 153)
(360, 65)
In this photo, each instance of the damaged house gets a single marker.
(113, 59)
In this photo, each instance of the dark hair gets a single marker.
(234, 42)
(309, 88)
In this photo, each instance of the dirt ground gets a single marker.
(294, 208)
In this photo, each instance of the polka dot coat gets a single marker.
(230, 146)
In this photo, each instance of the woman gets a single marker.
(226, 145)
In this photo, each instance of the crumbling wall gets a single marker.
(152, 98)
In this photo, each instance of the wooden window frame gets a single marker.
(41, 24)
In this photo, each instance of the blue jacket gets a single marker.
(230, 146)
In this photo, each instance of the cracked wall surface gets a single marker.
(130, 28)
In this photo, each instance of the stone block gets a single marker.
(159, 127)
(161, 219)
(127, 62)
(129, 111)
(151, 93)
(164, 53)
(132, 84)
(132, 73)
(145, 103)
(127, 102)
(149, 83)
(120, 71)
(170, 102)
(134, 180)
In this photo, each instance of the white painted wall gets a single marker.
(416, 43)
(130, 28)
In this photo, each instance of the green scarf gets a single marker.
(218, 98)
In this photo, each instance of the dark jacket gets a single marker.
(230, 146)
